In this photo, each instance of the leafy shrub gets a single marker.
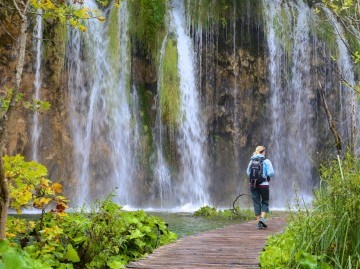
(206, 211)
(29, 186)
(327, 235)
(11, 256)
(107, 237)
(211, 212)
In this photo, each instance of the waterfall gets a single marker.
(291, 107)
(122, 134)
(236, 73)
(36, 128)
(191, 140)
(239, 82)
(162, 172)
(99, 108)
(347, 95)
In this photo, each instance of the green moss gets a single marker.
(283, 26)
(324, 30)
(113, 31)
(170, 83)
(147, 23)
(146, 135)
(55, 36)
(221, 12)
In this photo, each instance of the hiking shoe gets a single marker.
(262, 222)
(259, 225)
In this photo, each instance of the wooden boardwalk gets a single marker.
(235, 246)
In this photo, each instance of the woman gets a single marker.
(260, 193)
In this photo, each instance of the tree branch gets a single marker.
(331, 122)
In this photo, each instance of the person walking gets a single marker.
(259, 184)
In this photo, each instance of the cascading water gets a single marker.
(290, 104)
(165, 164)
(99, 108)
(236, 123)
(349, 105)
(36, 128)
(122, 134)
(191, 140)
(162, 172)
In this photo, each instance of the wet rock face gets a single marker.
(233, 89)
(55, 142)
(235, 108)
(235, 94)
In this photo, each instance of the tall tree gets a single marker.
(21, 8)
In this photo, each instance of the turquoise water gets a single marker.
(184, 224)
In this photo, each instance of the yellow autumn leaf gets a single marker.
(57, 187)
(49, 4)
(44, 182)
(25, 197)
(73, 22)
(82, 28)
(62, 214)
(10, 235)
(9, 174)
(31, 224)
(45, 200)
(41, 202)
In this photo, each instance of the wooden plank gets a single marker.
(235, 246)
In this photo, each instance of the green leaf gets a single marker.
(71, 254)
(117, 263)
(136, 234)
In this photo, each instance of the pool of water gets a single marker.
(184, 224)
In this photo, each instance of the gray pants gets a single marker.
(260, 197)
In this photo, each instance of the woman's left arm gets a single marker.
(269, 168)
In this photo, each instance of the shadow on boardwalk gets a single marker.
(235, 246)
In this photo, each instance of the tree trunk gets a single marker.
(4, 188)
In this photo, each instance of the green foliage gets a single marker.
(148, 23)
(37, 105)
(18, 228)
(324, 30)
(11, 256)
(122, 236)
(67, 13)
(211, 212)
(34, 105)
(348, 13)
(28, 185)
(206, 211)
(107, 237)
(327, 236)
(170, 85)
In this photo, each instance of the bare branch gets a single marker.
(331, 122)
